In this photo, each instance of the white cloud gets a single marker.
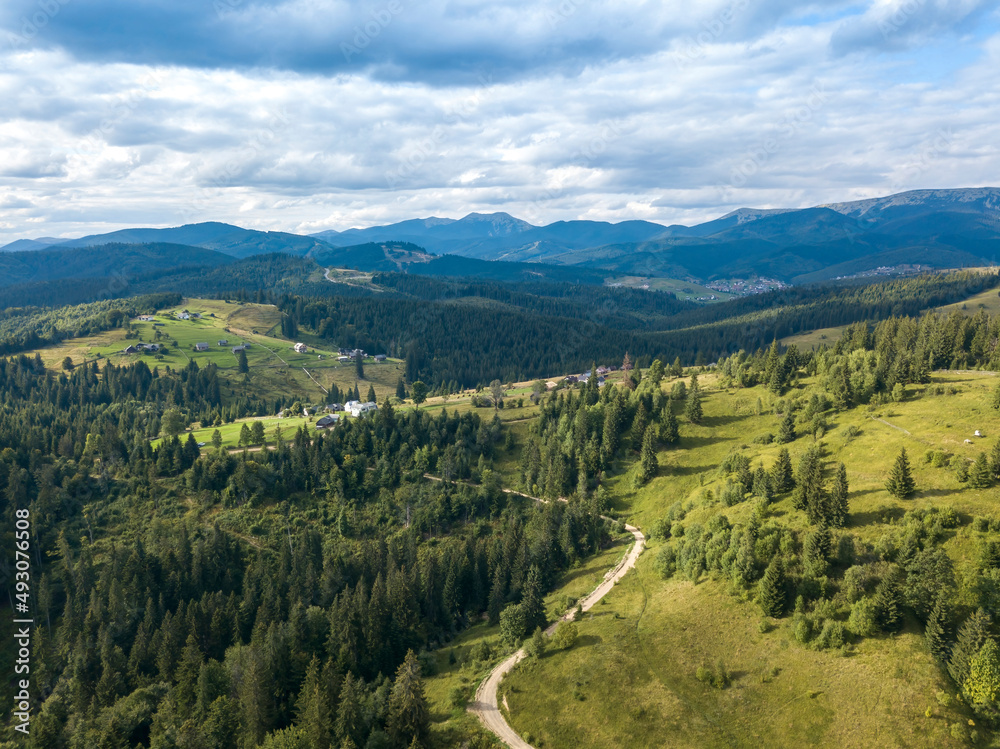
(763, 110)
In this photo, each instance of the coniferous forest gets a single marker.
(293, 594)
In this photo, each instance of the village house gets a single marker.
(151, 348)
(301, 348)
(325, 422)
(201, 347)
(146, 318)
(223, 342)
(237, 349)
(343, 359)
(357, 409)
(379, 357)
(130, 350)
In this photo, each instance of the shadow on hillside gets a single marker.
(587, 641)
(882, 515)
(688, 470)
(721, 421)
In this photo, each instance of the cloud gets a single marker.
(161, 113)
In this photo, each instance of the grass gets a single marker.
(275, 367)
(450, 723)
(631, 680)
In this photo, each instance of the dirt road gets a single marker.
(485, 705)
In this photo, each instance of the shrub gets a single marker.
(864, 617)
(833, 635)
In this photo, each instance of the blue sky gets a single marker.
(303, 115)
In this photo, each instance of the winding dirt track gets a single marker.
(485, 705)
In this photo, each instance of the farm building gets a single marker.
(201, 347)
(301, 348)
(223, 342)
(237, 349)
(327, 421)
(379, 357)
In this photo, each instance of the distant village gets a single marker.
(747, 287)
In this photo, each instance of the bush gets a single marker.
(456, 696)
(833, 636)
(716, 676)
(864, 617)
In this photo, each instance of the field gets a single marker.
(631, 681)
(274, 365)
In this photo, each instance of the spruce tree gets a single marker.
(816, 551)
(359, 367)
(971, 637)
(400, 389)
(531, 600)
(786, 432)
(771, 589)
(313, 708)
(692, 407)
(980, 476)
(762, 484)
(669, 430)
(889, 600)
(648, 463)
(937, 632)
(900, 483)
(350, 719)
(371, 394)
(782, 477)
(408, 717)
(837, 503)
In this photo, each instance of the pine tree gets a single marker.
(971, 637)
(531, 600)
(839, 509)
(762, 486)
(771, 589)
(900, 483)
(889, 600)
(669, 430)
(313, 708)
(816, 551)
(350, 720)
(980, 476)
(938, 629)
(648, 463)
(692, 407)
(786, 432)
(782, 477)
(408, 717)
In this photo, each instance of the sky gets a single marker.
(306, 115)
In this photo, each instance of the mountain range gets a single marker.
(930, 228)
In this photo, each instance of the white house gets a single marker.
(301, 348)
(183, 316)
(357, 409)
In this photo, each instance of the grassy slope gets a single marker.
(813, 339)
(237, 323)
(635, 674)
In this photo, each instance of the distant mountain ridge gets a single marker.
(934, 228)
